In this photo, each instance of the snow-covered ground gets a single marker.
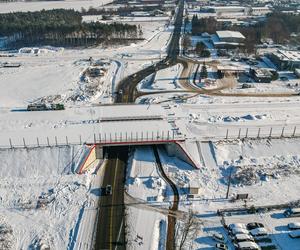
(58, 74)
(47, 5)
(42, 199)
(146, 224)
(165, 79)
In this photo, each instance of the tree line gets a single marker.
(121, 11)
(62, 27)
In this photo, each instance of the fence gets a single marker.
(126, 138)
(257, 133)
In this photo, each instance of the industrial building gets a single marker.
(286, 59)
(228, 39)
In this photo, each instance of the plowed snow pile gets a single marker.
(253, 161)
(40, 196)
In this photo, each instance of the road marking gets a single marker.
(119, 235)
(112, 207)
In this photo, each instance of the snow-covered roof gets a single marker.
(288, 55)
(229, 34)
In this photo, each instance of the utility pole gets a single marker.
(229, 183)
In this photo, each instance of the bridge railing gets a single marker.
(132, 137)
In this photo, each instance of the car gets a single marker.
(260, 231)
(236, 225)
(218, 237)
(243, 237)
(108, 190)
(254, 225)
(292, 212)
(284, 78)
(238, 230)
(247, 245)
(294, 225)
(294, 234)
(221, 246)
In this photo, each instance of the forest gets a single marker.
(62, 27)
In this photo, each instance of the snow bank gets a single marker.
(40, 197)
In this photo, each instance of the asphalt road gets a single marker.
(127, 92)
(110, 228)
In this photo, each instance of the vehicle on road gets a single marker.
(108, 190)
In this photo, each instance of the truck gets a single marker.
(44, 107)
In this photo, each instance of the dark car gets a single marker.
(221, 246)
(254, 225)
(108, 190)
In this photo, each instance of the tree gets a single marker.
(201, 50)
(186, 231)
(203, 72)
(186, 43)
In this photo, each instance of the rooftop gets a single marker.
(288, 55)
(229, 34)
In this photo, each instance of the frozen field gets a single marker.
(42, 199)
(47, 5)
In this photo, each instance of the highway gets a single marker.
(110, 229)
(127, 87)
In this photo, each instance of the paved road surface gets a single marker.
(111, 217)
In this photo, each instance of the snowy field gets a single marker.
(42, 199)
(47, 5)
(57, 75)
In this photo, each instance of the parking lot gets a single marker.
(275, 227)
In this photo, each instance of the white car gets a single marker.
(218, 237)
(258, 232)
(247, 245)
(294, 225)
(238, 230)
(243, 237)
(237, 225)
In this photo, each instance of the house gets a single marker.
(286, 59)
(227, 39)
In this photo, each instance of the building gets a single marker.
(260, 11)
(227, 39)
(229, 69)
(261, 75)
(286, 59)
(297, 72)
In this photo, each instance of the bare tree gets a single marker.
(186, 231)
